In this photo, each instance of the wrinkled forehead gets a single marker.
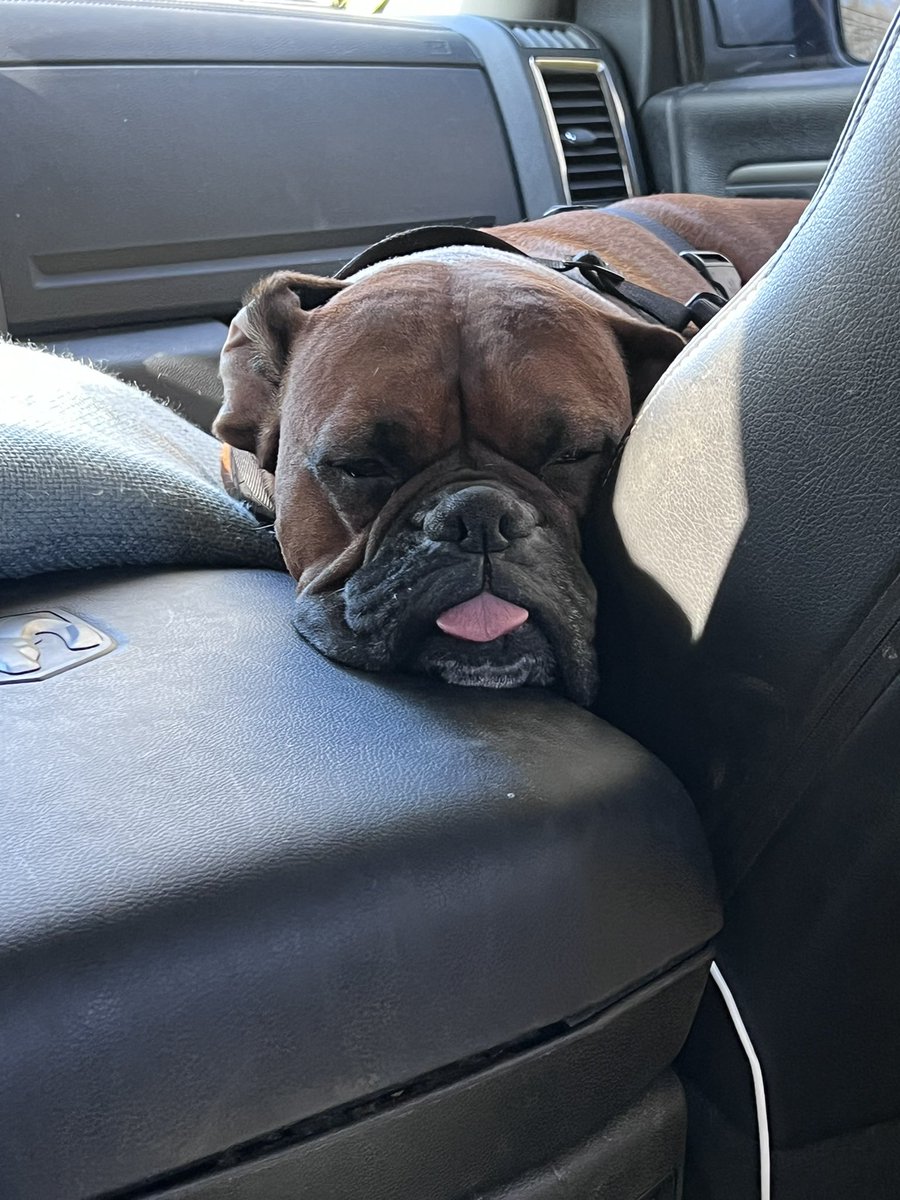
(482, 345)
(384, 350)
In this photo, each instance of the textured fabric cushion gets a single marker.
(95, 473)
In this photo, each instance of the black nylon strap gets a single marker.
(423, 237)
(672, 239)
(593, 269)
(718, 270)
(661, 308)
(715, 268)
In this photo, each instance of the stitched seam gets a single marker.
(746, 294)
(797, 772)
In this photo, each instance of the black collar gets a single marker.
(700, 309)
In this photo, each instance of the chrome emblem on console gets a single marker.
(34, 645)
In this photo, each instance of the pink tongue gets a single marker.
(482, 619)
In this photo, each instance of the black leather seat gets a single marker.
(753, 638)
(269, 927)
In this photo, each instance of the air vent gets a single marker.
(590, 138)
(551, 37)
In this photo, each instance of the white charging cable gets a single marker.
(759, 1087)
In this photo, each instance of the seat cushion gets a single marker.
(94, 473)
(243, 885)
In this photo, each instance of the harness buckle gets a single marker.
(719, 270)
(703, 307)
(597, 270)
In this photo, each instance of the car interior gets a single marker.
(273, 928)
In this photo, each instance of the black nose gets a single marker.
(483, 520)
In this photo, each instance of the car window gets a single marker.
(863, 25)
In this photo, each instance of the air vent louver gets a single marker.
(551, 37)
(593, 159)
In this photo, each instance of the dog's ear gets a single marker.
(254, 356)
(648, 350)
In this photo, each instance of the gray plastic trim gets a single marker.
(515, 90)
(533, 139)
(280, 166)
(697, 136)
(760, 179)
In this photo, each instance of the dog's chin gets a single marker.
(541, 653)
(519, 659)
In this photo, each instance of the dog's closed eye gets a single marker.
(572, 456)
(362, 468)
(575, 456)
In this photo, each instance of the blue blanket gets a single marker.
(94, 473)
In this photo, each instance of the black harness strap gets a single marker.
(673, 240)
(423, 237)
(661, 308)
(700, 309)
(714, 267)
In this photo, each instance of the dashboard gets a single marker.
(160, 157)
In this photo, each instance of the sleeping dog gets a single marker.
(439, 425)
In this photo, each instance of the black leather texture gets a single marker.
(574, 1114)
(243, 886)
(752, 634)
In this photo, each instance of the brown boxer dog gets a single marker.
(440, 425)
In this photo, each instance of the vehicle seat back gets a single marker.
(752, 637)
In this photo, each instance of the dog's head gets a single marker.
(437, 428)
